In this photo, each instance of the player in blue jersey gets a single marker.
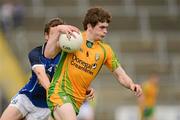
(30, 101)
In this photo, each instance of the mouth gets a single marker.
(102, 36)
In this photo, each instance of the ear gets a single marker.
(46, 36)
(89, 26)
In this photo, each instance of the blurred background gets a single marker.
(145, 34)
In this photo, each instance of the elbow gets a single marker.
(51, 52)
(49, 56)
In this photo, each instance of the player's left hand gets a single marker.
(90, 93)
(136, 89)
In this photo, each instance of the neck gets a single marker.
(90, 37)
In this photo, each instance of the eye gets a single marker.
(102, 27)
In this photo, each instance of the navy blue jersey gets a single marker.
(33, 90)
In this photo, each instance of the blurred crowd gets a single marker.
(11, 15)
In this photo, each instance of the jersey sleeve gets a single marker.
(111, 60)
(34, 57)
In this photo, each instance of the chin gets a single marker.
(100, 37)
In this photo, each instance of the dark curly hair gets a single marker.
(95, 15)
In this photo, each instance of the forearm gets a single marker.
(52, 49)
(42, 76)
(127, 82)
(44, 81)
(123, 78)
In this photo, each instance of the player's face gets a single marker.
(100, 30)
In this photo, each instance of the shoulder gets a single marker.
(105, 45)
(102, 42)
(35, 51)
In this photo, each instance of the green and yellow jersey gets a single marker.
(76, 71)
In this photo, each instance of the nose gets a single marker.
(105, 31)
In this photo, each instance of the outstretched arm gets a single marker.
(126, 81)
(52, 47)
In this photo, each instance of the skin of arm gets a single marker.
(53, 47)
(42, 76)
(126, 81)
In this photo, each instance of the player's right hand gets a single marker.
(136, 89)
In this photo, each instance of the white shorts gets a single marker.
(86, 112)
(28, 110)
